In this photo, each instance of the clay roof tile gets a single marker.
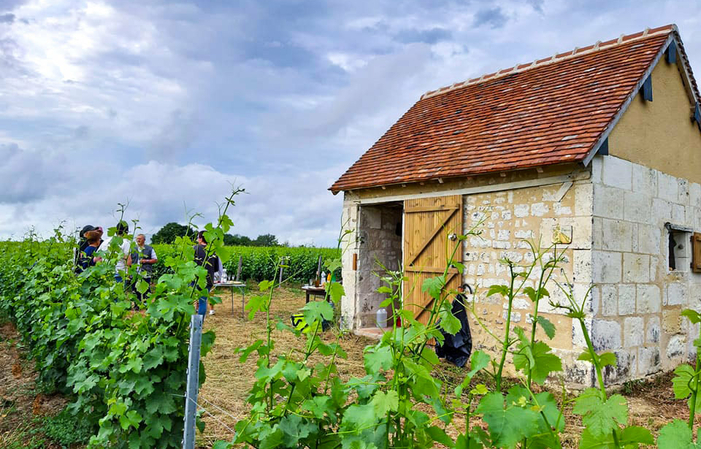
(551, 111)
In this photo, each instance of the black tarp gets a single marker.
(457, 348)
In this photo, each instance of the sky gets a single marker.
(165, 106)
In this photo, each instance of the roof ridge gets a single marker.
(557, 57)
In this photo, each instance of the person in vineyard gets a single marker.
(212, 264)
(80, 259)
(93, 239)
(144, 256)
(124, 248)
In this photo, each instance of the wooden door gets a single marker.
(428, 225)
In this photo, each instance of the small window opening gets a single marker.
(678, 247)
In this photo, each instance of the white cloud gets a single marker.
(165, 104)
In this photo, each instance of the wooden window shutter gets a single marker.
(696, 252)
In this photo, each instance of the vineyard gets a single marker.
(123, 364)
(261, 263)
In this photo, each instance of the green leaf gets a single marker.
(131, 419)
(377, 358)
(317, 311)
(153, 358)
(142, 286)
(294, 428)
(222, 445)
(359, 417)
(448, 321)
(598, 416)
(683, 381)
(506, 426)
(692, 315)
(163, 403)
(385, 402)
(255, 305)
(318, 406)
(607, 358)
(335, 291)
(541, 362)
(502, 290)
(265, 285)
(634, 435)
(247, 351)
(433, 286)
(586, 357)
(443, 413)
(439, 435)
(548, 327)
(536, 295)
(676, 435)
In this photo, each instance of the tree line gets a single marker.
(168, 233)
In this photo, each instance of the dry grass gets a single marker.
(20, 403)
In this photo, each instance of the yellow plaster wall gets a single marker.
(660, 134)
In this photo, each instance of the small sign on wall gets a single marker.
(562, 235)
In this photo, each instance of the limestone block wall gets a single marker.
(509, 219)
(350, 244)
(638, 298)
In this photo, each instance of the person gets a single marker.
(80, 259)
(93, 239)
(144, 256)
(212, 264)
(124, 249)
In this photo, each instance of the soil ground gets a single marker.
(21, 405)
(223, 395)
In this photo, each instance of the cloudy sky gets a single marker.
(164, 105)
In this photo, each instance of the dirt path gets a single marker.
(20, 403)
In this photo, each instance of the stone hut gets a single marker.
(601, 144)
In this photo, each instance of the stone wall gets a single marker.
(377, 244)
(509, 219)
(639, 299)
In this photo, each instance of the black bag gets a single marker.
(457, 348)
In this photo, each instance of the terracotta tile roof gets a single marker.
(551, 111)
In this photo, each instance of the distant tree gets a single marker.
(236, 240)
(169, 232)
(266, 240)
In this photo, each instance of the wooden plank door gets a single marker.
(428, 223)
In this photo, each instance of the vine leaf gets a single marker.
(294, 429)
(599, 416)
(539, 360)
(433, 286)
(676, 435)
(377, 359)
(385, 402)
(548, 327)
(502, 290)
(359, 417)
(631, 437)
(682, 380)
(507, 426)
(335, 291)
